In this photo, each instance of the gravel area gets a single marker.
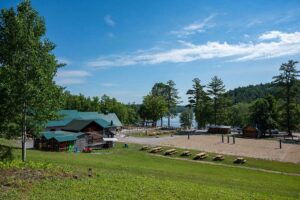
(256, 148)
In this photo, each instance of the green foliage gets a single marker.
(200, 102)
(120, 175)
(17, 164)
(153, 108)
(238, 115)
(186, 119)
(126, 113)
(251, 93)
(216, 90)
(287, 81)
(170, 94)
(5, 153)
(27, 71)
(263, 113)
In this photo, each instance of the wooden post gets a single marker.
(228, 139)
(222, 138)
(90, 172)
(280, 146)
(233, 138)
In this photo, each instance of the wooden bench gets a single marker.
(239, 160)
(200, 156)
(186, 153)
(218, 158)
(170, 152)
(156, 150)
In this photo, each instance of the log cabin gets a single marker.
(75, 131)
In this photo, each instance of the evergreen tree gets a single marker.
(160, 89)
(27, 71)
(216, 90)
(172, 99)
(200, 102)
(287, 80)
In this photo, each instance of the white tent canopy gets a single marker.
(110, 139)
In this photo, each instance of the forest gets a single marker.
(274, 105)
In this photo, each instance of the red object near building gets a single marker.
(87, 150)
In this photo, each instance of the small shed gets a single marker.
(251, 132)
(219, 129)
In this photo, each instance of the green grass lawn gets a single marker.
(121, 173)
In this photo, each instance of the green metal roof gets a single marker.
(61, 136)
(104, 123)
(67, 116)
(111, 117)
(58, 122)
(88, 115)
(77, 125)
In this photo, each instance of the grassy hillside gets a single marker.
(132, 174)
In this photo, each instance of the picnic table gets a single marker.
(200, 156)
(156, 149)
(144, 148)
(170, 152)
(186, 153)
(239, 160)
(218, 158)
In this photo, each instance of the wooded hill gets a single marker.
(250, 93)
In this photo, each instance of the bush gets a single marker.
(6, 153)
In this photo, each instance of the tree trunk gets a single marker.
(288, 113)
(161, 121)
(169, 120)
(24, 134)
(215, 111)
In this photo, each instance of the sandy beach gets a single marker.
(256, 148)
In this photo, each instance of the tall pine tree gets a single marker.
(287, 80)
(216, 90)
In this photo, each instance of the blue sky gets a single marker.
(121, 48)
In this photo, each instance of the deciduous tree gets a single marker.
(27, 69)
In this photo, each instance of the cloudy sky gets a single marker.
(121, 48)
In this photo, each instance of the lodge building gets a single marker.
(76, 130)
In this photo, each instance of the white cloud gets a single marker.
(72, 73)
(64, 61)
(71, 77)
(69, 81)
(286, 44)
(196, 27)
(109, 21)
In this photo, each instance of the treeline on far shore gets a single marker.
(266, 106)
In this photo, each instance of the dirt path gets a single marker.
(256, 148)
(226, 165)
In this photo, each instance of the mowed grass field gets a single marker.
(127, 173)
